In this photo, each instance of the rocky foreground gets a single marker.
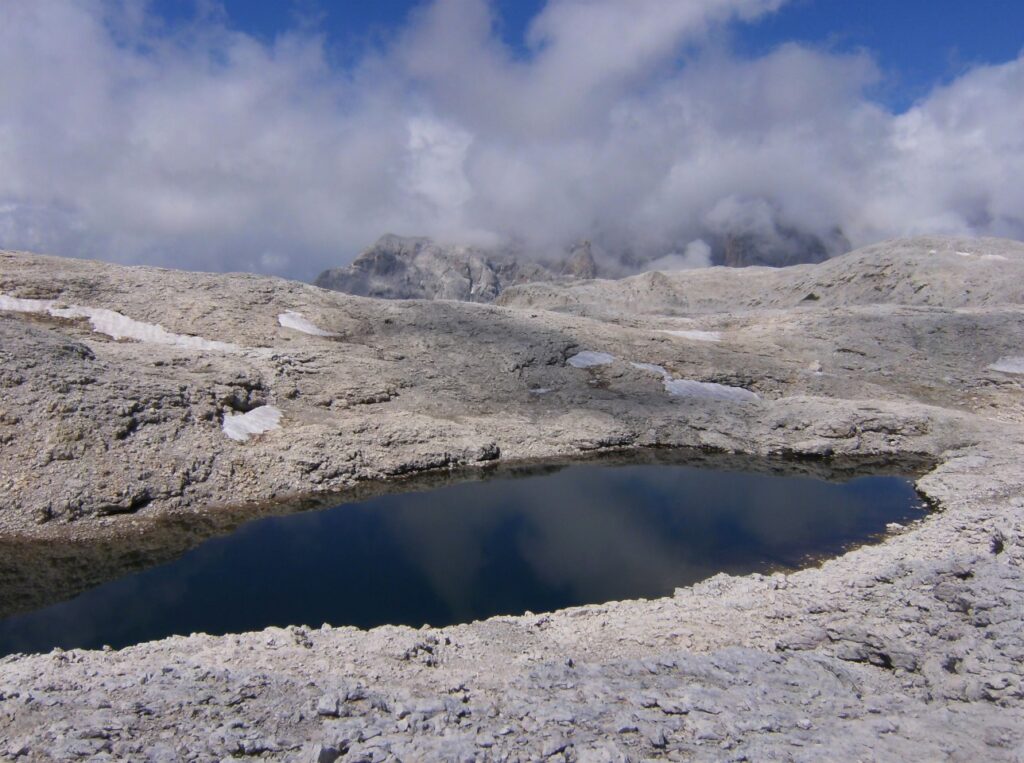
(135, 399)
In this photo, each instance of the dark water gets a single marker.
(585, 534)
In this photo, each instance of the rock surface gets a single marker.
(418, 268)
(911, 649)
(919, 272)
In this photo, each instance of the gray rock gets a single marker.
(328, 706)
(418, 268)
(319, 753)
(908, 649)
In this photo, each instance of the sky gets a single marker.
(285, 136)
(919, 43)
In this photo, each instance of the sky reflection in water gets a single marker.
(585, 534)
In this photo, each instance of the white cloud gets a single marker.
(436, 171)
(696, 255)
(203, 147)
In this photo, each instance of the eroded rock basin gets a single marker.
(115, 459)
(539, 538)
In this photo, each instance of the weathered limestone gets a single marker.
(909, 649)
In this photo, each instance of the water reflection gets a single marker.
(585, 534)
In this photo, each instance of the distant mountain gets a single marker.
(398, 267)
(779, 247)
(418, 268)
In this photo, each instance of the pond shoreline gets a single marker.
(547, 529)
(63, 560)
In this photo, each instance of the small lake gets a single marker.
(581, 534)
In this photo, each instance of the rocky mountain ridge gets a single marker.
(397, 267)
(418, 268)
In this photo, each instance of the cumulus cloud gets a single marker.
(627, 123)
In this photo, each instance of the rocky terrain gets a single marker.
(138, 405)
(418, 268)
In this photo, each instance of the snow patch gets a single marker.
(650, 367)
(241, 426)
(118, 326)
(114, 324)
(694, 334)
(990, 257)
(588, 359)
(1009, 365)
(709, 391)
(698, 389)
(294, 320)
(15, 305)
(541, 391)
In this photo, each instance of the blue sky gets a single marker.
(284, 136)
(350, 25)
(917, 43)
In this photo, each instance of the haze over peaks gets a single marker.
(220, 138)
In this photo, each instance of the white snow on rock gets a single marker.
(1009, 365)
(114, 324)
(119, 326)
(659, 370)
(15, 305)
(294, 320)
(995, 257)
(698, 389)
(694, 334)
(588, 359)
(709, 391)
(241, 426)
(541, 390)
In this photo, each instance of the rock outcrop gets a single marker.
(580, 263)
(782, 248)
(912, 648)
(418, 268)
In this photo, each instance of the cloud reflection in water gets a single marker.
(584, 534)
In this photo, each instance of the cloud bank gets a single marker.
(632, 124)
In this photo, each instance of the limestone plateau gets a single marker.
(133, 400)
